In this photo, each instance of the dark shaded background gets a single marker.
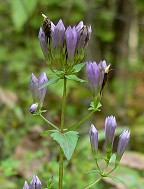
(117, 37)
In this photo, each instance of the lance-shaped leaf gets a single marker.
(75, 78)
(78, 67)
(67, 142)
(50, 82)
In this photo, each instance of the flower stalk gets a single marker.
(61, 160)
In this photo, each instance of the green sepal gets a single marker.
(77, 68)
(50, 82)
(74, 78)
(38, 112)
(67, 142)
(92, 106)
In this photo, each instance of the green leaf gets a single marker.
(50, 82)
(75, 78)
(67, 142)
(78, 67)
(115, 178)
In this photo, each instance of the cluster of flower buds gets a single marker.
(34, 184)
(63, 46)
(37, 94)
(110, 127)
(97, 76)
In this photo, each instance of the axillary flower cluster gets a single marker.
(110, 127)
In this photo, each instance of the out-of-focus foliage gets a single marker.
(117, 37)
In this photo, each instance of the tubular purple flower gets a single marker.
(79, 27)
(84, 33)
(35, 183)
(52, 27)
(71, 41)
(122, 144)
(38, 95)
(94, 140)
(58, 35)
(95, 73)
(34, 87)
(110, 127)
(41, 81)
(43, 42)
(26, 186)
(102, 65)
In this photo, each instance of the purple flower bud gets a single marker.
(84, 33)
(43, 42)
(52, 27)
(110, 127)
(94, 140)
(33, 108)
(34, 87)
(71, 41)
(35, 183)
(122, 144)
(26, 186)
(41, 81)
(79, 27)
(95, 73)
(58, 35)
(102, 65)
(35, 84)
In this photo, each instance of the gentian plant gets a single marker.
(63, 48)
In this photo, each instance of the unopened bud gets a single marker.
(33, 108)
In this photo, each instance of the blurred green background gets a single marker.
(117, 37)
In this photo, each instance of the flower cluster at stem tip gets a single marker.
(63, 47)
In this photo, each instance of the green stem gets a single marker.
(97, 165)
(62, 129)
(54, 126)
(111, 170)
(75, 126)
(93, 183)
